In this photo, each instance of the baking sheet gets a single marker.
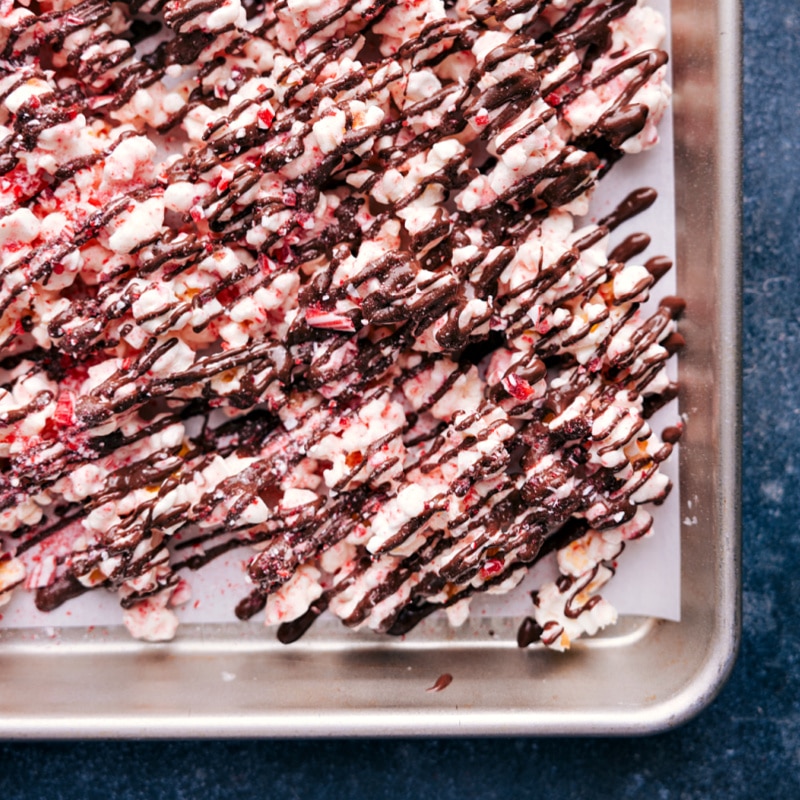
(220, 680)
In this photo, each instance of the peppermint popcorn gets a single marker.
(305, 277)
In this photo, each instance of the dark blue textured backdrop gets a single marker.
(746, 745)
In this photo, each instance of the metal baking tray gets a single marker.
(643, 676)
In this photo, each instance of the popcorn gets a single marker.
(306, 278)
(12, 574)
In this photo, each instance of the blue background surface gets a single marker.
(747, 744)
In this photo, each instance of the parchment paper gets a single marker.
(648, 580)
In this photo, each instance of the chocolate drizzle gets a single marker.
(204, 372)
